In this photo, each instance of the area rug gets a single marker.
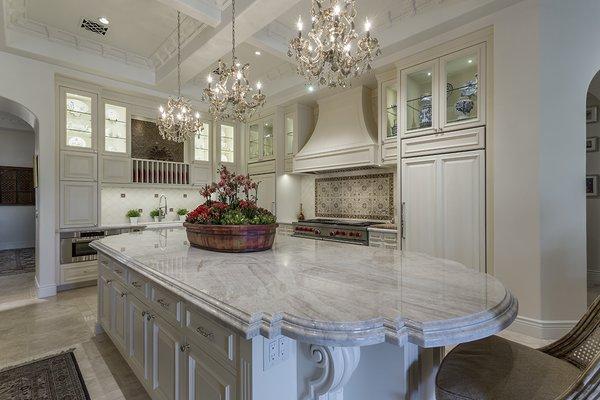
(17, 261)
(52, 378)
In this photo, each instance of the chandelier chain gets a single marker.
(178, 53)
(233, 30)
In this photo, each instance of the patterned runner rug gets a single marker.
(52, 378)
(17, 261)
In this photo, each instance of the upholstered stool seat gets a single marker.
(496, 368)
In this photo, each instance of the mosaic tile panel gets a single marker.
(357, 197)
(147, 143)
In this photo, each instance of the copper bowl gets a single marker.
(231, 238)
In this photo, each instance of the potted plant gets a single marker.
(133, 216)
(231, 224)
(182, 212)
(154, 214)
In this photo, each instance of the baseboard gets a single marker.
(16, 245)
(541, 329)
(45, 291)
(593, 276)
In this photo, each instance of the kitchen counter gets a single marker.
(143, 225)
(279, 318)
(324, 292)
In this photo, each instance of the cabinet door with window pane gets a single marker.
(78, 119)
(202, 144)
(253, 142)
(419, 99)
(227, 143)
(117, 128)
(267, 139)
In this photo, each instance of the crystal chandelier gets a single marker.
(232, 96)
(178, 121)
(332, 52)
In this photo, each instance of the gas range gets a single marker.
(334, 229)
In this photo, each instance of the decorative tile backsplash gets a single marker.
(116, 201)
(369, 196)
(147, 143)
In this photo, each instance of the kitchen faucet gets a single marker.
(162, 211)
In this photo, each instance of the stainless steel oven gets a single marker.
(75, 246)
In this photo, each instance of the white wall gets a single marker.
(593, 203)
(17, 223)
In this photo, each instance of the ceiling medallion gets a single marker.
(231, 96)
(332, 52)
(178, 121)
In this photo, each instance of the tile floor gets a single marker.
(31, 328)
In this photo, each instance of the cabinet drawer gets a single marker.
(166, 304)
(119, 270)
(466, 139)
(389, 152)
(262, 167)
(288, 164)
(79, 273)
(137, 283)
(213, 337)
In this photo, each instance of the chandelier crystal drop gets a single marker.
(332, 52)
(230, 95)
(178, 121)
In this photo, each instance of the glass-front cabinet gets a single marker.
(390, 99)
(289, 135)
(462, 76)
(227, 143)
(261, 140)
(253, 142)
(116, 129)
(78, 119)
(444, 94)
(267, 139)
(202, 144)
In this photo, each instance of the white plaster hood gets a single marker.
(345, 134)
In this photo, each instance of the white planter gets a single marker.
(182, 217)
(156, 219)
(133, 220)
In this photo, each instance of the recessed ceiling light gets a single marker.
(311, 88)
(429, 74)
(257, 53)
(103, 20)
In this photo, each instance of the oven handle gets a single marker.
(85, 240)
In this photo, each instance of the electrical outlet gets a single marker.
(275, 351)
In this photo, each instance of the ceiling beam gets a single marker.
(211, 44)
(205, 11)
(273, 39)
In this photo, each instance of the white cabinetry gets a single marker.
(205, 378)
(165, 342)
(261, 143)
(443, 206)
(138, 338)
(118, 313)
(388, 116)
(297, 127)
(78, 204)
(266, 191)
(78, 166)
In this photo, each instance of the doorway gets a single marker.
(592, 179)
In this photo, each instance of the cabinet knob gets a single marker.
(150, 317)
(109, 281)
(163, 303)
(124, 294)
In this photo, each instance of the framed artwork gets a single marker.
(591, 144)
(591, 185)
(591, 114)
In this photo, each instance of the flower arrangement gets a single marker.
(229, 209)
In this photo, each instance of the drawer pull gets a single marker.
(184, 348)
(136, 284)
(118, 271)
(150, 317)
(207, 334)
(144, 313)
(163, 303)
(109, 281)
(124, 294)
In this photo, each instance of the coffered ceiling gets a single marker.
(140, 44)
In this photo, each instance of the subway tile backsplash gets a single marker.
(116, 201)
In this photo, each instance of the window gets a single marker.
(227, 143)
(115, 129)
(202, 144)
(78, 120)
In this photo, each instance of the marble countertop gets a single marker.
(149, 224)
(323, 292)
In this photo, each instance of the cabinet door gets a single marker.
(253, 142)
(389, 109)
(419, 202)
(266, 191)
(289, 135)
(119, 314)
(206, 379)
(462, 182)
(227, 144)
(104, 301)
(78, 166)
(115, 169)
(78, 204)
(78, 119)
(419, 99)
(115, 126)
(138, 349)
(165, 360)
(267, 139)
(462, 89)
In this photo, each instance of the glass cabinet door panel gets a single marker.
(267, 140)
(391, 111)
(115, 128)
(202, 143)
(289, 135)
(253, 135)
(419, 101)
(78, 120)
(462, 88)
(227, 143)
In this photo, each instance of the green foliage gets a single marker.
(133, 214)
(182, 211)
(263, 217)
(154, 213)
(233, 217)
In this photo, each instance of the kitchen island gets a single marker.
(306, 320)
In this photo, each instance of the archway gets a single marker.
(20, 129)
(593, 187)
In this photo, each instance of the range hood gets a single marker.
(345, 134)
